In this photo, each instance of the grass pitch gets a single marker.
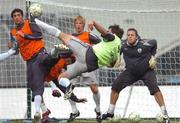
(90, 121)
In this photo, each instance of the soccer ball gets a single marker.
(35, 10)
(159, 117)
(134, 117)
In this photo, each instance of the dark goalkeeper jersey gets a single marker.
(137, 57)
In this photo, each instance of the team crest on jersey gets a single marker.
(139, 50)
(125, 48)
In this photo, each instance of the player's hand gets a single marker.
(90, 25)
(152, 62)
(21, 33)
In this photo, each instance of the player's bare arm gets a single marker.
(98, 27)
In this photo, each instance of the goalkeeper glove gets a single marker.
(152, 62)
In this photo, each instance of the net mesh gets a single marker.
(155, 19)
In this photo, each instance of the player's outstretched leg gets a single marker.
(50, 29)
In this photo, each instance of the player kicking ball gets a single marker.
(88, 58)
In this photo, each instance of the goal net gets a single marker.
(154, 19)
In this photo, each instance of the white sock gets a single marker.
(43, 107)
(96, 98)
(73, 106)
(5, 55)
(111, 108)
(37, 102)
(163, 110)
(48, 28)
(53, 86)
(64, 82)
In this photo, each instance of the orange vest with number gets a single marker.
(27, 47)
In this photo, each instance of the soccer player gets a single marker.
(88, 78)
(140, 63)
(55, 62)
(31, 48)
(88, 58)
(65, 58)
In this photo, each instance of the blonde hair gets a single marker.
(80, 18)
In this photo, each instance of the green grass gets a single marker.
(123, 121)
(93, 121)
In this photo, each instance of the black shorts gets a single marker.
(36, 72)
(126, 78)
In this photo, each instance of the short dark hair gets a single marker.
(16, 10)
(117, 30)
(134, 30)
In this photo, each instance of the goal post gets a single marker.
(160, 21)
